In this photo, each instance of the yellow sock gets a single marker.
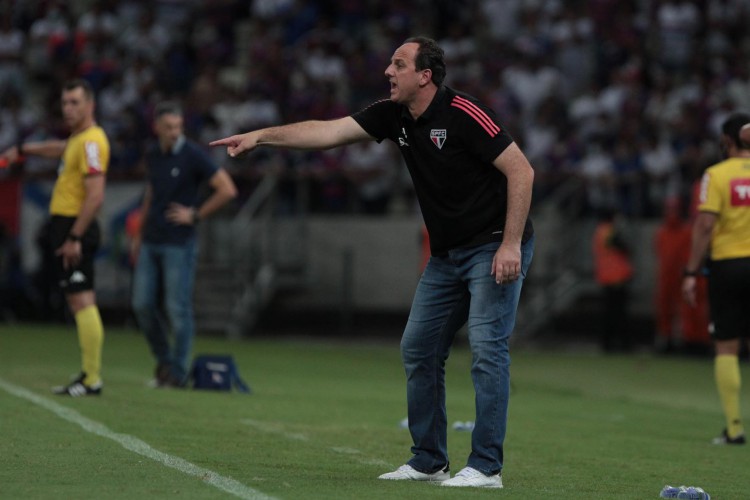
(91, 339)
(728, 382)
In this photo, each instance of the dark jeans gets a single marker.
(452, 290)
(170, 268)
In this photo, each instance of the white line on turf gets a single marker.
(136, 445)
(278, 429)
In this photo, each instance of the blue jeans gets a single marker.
(169, 269)
(452, 290)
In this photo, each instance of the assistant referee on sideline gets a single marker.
(722, 230)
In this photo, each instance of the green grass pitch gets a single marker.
(323, 423)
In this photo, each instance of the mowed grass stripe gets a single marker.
(136, 445)
(278, 430)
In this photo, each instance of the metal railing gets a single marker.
(252, 254)
(558, 275)
(238, 264)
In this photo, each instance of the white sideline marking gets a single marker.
(136, 445)
(275, 428)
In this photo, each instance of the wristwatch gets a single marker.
(73, 237)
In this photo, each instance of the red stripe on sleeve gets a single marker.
(491, 131)
(477, 113)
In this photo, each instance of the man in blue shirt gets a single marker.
(165, 250)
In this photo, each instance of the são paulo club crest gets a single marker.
(437, 136)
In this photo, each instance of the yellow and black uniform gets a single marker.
(725, 192)
(86, 153)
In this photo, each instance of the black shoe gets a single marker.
(174, 383)
(77, 388)
(162, 374)
(725, 439)
(663, 345)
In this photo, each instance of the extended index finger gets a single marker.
(226, 141)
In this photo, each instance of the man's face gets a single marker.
(77, 109)
(403, 75)
(168, 128)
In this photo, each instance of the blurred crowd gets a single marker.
(623, 95)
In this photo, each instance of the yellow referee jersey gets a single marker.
(725, 191)
(86, 153)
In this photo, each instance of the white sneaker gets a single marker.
(468, 476)
(407, 472)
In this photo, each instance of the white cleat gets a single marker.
(408, 473)
(469, 476)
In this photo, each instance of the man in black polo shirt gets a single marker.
(165, 249)
(473, 184)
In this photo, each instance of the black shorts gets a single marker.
(729, 298)
(80, 277)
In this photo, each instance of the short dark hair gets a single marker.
(77, 83)
(429, 56)
(167, 108)
(732, 125)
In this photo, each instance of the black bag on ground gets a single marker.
(217, 372)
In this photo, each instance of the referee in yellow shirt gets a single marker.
(77, 196)
(722, 232)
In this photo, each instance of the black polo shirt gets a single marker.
(449, 151)
(175, 177)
